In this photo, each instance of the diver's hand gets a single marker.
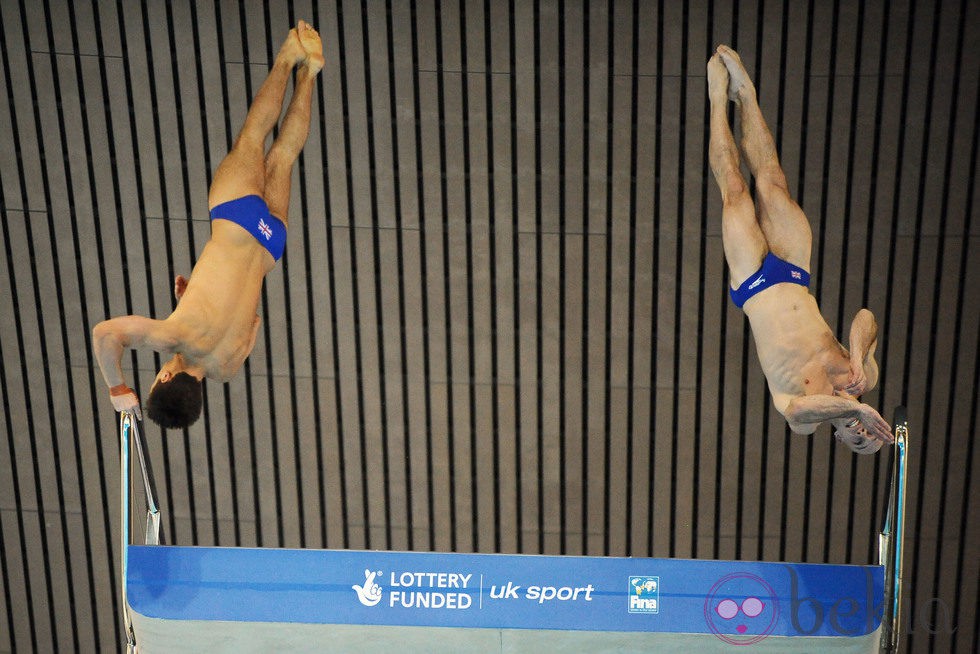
(124, 399)
(874, 425)
(857, 381)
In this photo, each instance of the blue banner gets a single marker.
(740, 602)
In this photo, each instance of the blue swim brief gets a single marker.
(773, 271)
(252, 213)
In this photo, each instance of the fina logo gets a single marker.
(644, 594)
(370, 593)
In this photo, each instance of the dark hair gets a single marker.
(176, 402)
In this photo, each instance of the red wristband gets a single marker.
(120, 389)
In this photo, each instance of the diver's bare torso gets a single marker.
(216, 315)
(797, 349)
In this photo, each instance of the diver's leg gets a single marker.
(784, 224)
(295, 126)
(743, 239)
(242, 171)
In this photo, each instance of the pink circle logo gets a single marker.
(741, 609)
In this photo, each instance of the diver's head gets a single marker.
(176, 397)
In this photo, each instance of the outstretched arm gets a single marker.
(805, 412)
(862, 342)
(111, 337)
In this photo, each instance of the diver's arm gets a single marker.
(862, 342)
(111, 337)
(805, 412)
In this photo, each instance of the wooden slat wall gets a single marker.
(501, 323)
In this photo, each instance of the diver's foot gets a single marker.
(739, 83)
(312, 46)
(717, 80)
(292, 50)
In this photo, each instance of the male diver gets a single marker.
(213, 328)
(812, 377)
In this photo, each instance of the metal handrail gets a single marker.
(151, 535)
(125, 423)
(129, 433)
(892, 536)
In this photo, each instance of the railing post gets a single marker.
(892, 536)
(126, 423)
